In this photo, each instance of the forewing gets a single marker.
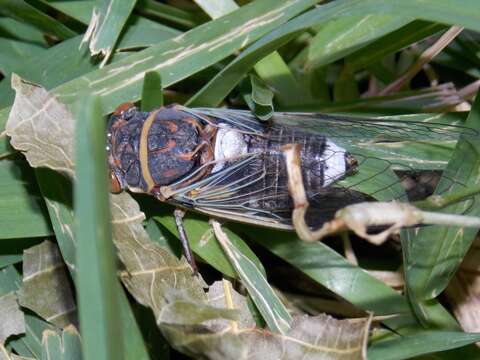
(395, 157)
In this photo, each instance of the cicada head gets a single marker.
(118, 144)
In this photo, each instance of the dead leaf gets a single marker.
(64, 345)
(318, 337)
(42, 127)
(46, 287)
(12, 321)
(463, 292)
(7, 355)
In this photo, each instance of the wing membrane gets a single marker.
(251, 190)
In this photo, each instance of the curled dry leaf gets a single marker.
(46, 288)
(41, 127)
(12, 321)
(317, 337)
(463, 291)
(153, 273)
(7, 355)
(65, 344)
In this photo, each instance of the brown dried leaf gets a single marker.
(46, 287)
(12, 321)
(463, 291)
(41, 126)
(7, 355)
(318, 337)
(153, 273)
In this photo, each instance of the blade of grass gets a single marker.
(352, 283)
(272, 68)
(152, 92)
(107, 21)
(98, 305)
(432, 255)
(24, 12)
(388, 44)
(172, 14)
(272, 309)
(217, 8)
(343, 35)
(13, 29)
(213, 92)
(19, 192)
(406, 347)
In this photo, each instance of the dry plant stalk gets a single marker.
(424, 58)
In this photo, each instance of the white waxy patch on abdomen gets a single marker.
(334, 159)
(229, 144)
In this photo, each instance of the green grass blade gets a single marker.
(13, 50)
(203, 243)
(432, 255)
(108, 20)
(171, 14)
(178, 58)
(217, 8)
(260, 99)
(26, 13)
(272, 69)
(342, 36)
(98, 306)
(19, 192)
(388, 44)
(272, 309)
(407, 347)
(175, 59)
(13, 29)
(152, 92)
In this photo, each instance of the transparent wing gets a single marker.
(399, 160)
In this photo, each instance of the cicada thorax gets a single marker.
(150, 150)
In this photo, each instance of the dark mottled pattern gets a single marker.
(124, 143)
(169, 127)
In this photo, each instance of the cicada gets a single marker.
(228, 164)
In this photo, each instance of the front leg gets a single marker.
(187, 251)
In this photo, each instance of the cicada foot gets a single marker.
(187, 251)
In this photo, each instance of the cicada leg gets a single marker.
(187, 251)
(300, 201)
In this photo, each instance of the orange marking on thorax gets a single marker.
(170, 145)
(122, 107)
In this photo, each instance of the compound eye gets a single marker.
(115, 185)
(122, 108)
